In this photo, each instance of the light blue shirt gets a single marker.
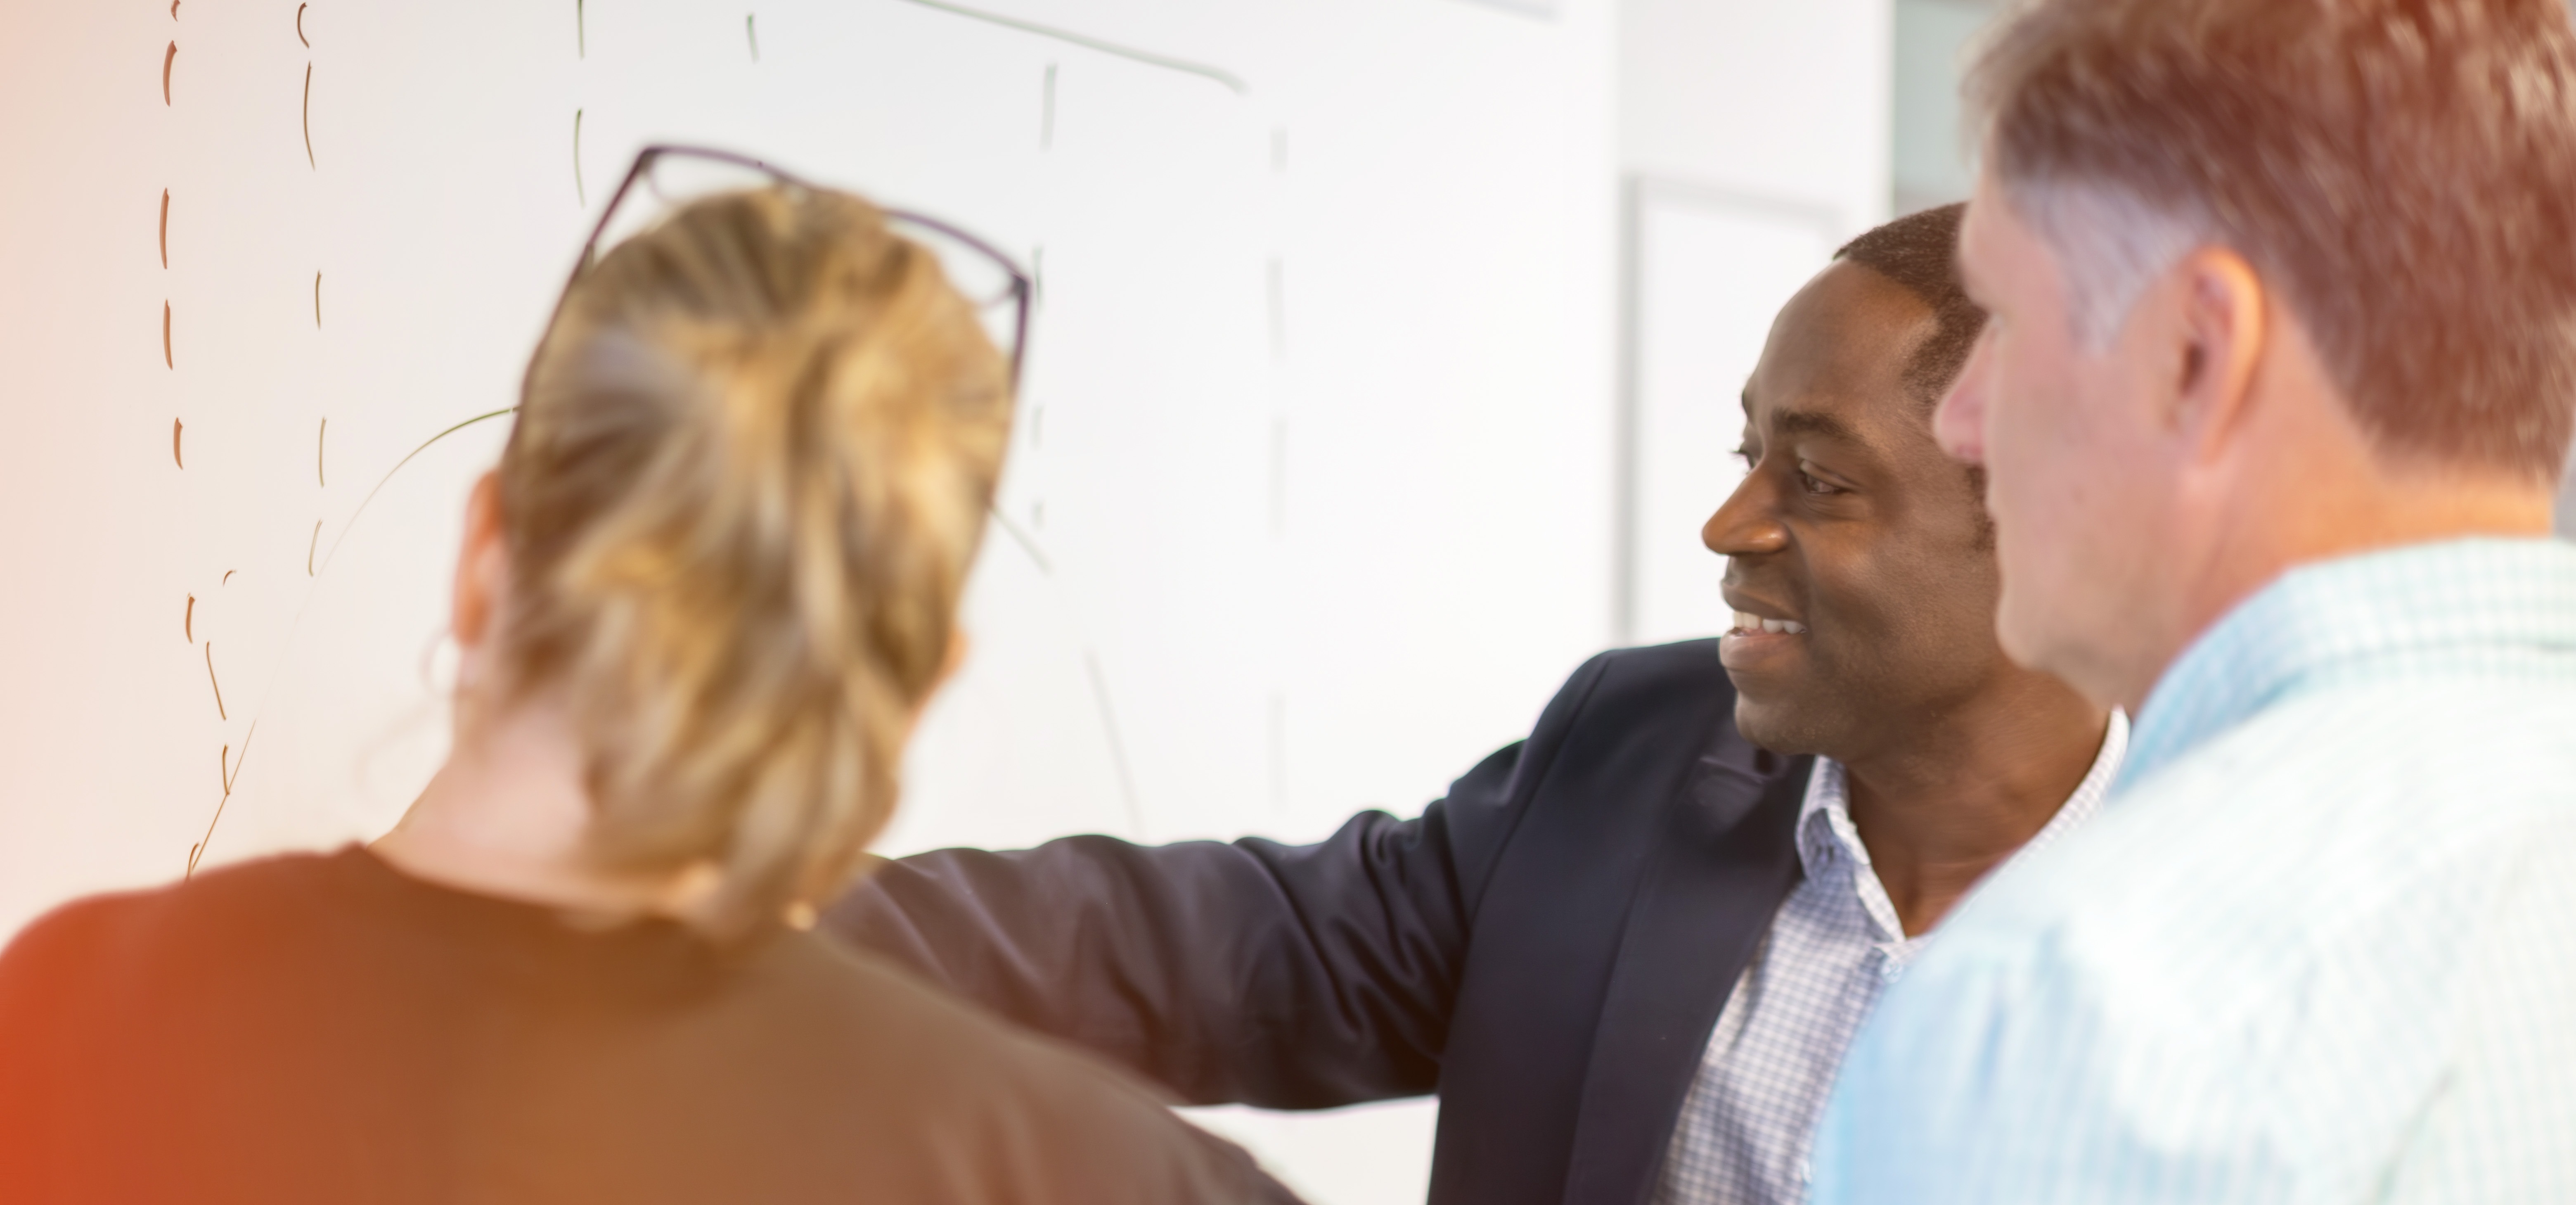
(2320, 946)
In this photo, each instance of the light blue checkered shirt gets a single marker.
(2319, 947)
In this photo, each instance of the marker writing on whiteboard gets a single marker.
(754, 34)
(210, 680)
(165, 228)
(299, 26)
(1046, 121)
(166, 60)
(578, 191)
(308, 117)
(310, 545)
(166, 362)
(175, 427)
(319, 478)
(188, 622)
(317, 301)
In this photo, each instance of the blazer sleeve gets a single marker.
(1285, 976)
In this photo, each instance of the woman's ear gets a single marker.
(482, 567)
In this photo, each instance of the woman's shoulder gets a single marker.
(150, 925)
(1040, 1121)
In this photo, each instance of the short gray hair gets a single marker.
(2109, 242)
(2401, 172)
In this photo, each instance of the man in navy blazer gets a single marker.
(1627, 951)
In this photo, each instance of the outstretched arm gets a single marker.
(1254, 972)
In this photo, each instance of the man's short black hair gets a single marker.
(1920, 252)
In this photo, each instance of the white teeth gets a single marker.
(1746, 621)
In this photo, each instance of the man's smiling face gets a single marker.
(1858, 557)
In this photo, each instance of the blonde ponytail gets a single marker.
(749, 474)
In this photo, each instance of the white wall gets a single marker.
(1787, 102)
(1931, 160)
(1754, 138)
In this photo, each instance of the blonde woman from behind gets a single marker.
(701, 603)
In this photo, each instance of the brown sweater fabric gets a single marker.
(327, 1029)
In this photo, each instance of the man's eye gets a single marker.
(1815, 485)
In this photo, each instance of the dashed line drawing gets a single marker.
(166, 361)
(166, 59)
(165, 229)
(320, 478)
(1232, 81)
(580, 31)
(308, 118)
(299, 26)
(579, 193)
(210, 680)
(228, 577)
(174, 10)
(188, 622)
(1046, 122)
(310, 545)
(175, 427)
(754, 34)
(317, 301)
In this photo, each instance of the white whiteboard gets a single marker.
(1321, 352)
(1321, 287)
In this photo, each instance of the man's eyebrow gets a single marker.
(1818, 424)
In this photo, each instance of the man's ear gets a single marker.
(482, 565)
(2216, 329)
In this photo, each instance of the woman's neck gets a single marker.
(506, 816)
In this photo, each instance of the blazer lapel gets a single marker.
(1725, 858)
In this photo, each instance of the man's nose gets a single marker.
(1747, 523)
(1959, 423)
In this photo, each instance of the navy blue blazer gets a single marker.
(1547, 947)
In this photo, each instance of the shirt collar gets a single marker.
(2482, 605)
(1826, 832)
